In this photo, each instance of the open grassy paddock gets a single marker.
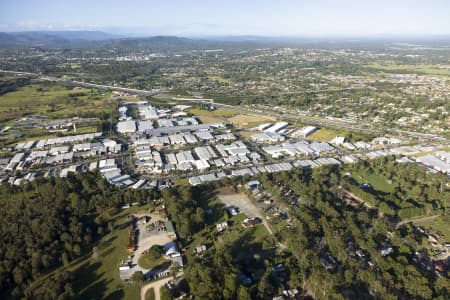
(53, 100)
(214, 116)
(326, 134)
(440, 224)
(422, 69)
(250, 120)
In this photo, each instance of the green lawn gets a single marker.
(150, 295)
(377, 181)
(440, 224)
(146, 262)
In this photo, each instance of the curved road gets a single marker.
(156, 285)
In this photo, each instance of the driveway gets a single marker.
(156, 286)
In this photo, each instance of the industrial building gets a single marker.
(126, 127)
(304, 132)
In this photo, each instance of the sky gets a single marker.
(306, 18)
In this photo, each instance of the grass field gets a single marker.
(247, 134)
(215, 116)
(218, 79)
(326, 134)
(440, 224)
(147, 263)
(248, 121)
(218, 113)
(424, 69)
(378, 182)
(53, 100)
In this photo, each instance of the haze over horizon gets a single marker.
(208, 18)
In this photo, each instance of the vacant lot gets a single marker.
(422, 69)
(215, 116)
(54, 100)
(248, 121)
(244, 204)
(325, 134)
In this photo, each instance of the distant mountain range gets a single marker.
(82, 39)
(53, 38)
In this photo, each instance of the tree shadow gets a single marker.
(116, 295)
(85, 282)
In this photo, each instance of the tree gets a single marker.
(138, 278)
(155, 252)
(174, 269)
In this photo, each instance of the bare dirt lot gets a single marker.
(245, 206)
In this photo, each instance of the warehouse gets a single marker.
(81, 147)
(165, 123)
(225, 137)
(304, 132)
(205, 153)
(147, 112)
(276, 127)
(204, 136)
(144, 126)
(177, 139)
(182, 129)
(267, 137)
(190, 139)
(435, 163)
(126, 127)
(201, 164)
(171, 159)
(184, 156)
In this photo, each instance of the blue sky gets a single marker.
(231, 17)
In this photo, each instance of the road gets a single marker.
(420, 220)
(156, 285)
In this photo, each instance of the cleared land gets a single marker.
(248, 121)
(53, 100)
(325, 134)
(424, 69)
(245, 206)
(377, 181)
(215, 116)
(219, 79)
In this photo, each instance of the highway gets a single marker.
(290, 116)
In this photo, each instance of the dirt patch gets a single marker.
(226, 190)
(247, 121)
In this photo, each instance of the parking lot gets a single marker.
(241, 201)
